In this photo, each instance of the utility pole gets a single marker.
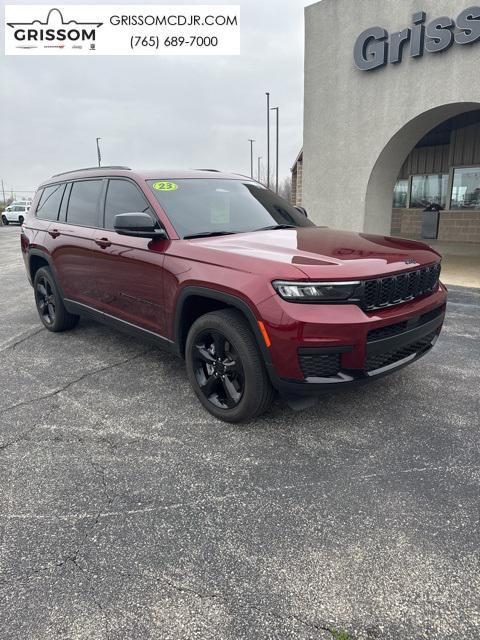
(258, 169)
(276, 151)
(251, 156)
(3, 192)
(99, 155)
(268, 139)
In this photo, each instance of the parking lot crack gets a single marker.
(69, 384)
(244, 604)
(24, 435)
(20, 339)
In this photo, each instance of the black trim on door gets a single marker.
(81, 309)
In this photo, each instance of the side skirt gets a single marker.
(84, 310)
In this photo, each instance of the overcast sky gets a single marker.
(181, 112)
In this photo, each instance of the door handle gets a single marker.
(54, 233)
(103, 242)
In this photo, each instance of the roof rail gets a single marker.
(55, 175)
(214, 170)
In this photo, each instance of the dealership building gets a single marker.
(392, 118)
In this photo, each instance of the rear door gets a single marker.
(128, 270)
(72, 240)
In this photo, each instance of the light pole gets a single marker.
(276, 150)
(258, 169)
(99, 155)
(268, 139)
(251, 156)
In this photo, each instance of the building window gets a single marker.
(400, 193)
(429, 189)
(466, 189)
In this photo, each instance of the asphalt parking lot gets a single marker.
(128, 512)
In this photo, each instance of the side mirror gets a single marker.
(139, 225)
(302, 210)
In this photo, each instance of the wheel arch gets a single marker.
(213, 299)
(37, 259)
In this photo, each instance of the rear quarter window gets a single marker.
(50, 200)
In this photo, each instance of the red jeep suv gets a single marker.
(223, 272)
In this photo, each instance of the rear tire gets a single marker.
(49, 303)
(5, 220)
(20, 220)
(225, 367)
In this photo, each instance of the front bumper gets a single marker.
(317, 347)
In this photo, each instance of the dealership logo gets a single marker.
(375, 47)
(55, 32)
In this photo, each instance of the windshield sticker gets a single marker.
(165, 186)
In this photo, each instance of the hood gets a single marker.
(318, 252)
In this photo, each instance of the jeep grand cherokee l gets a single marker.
(223, 272)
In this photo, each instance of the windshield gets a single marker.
(201, 206)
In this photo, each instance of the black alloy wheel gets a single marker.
(218, 369)
(45, 298)
(50, 306)
(225, 366)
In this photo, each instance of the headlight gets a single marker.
(314, 291)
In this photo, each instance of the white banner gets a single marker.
(115, 30)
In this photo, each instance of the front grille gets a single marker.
(399, 327)
(320, 365)
(379, 360)
(384, 292)
(387, 332)
(431, 315)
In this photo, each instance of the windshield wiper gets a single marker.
(206, 234)
(277, 226)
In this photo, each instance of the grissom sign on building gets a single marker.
(375, 47)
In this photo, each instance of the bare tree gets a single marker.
(284, 185)
(263, 176)
(285, 189)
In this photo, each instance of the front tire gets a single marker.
(5, 220)
(225, 367)
(49, 303)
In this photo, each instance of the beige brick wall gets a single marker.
(459, 226)
(396, 222)
(297, 184)
(455, 226)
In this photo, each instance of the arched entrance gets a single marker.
(378, 199)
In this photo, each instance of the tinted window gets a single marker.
(50, 202)
(63, 207)
(466, 188)
(429, 189)
(123, 197)
(218, 205)
(83, 203)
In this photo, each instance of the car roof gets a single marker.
(150, 174)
